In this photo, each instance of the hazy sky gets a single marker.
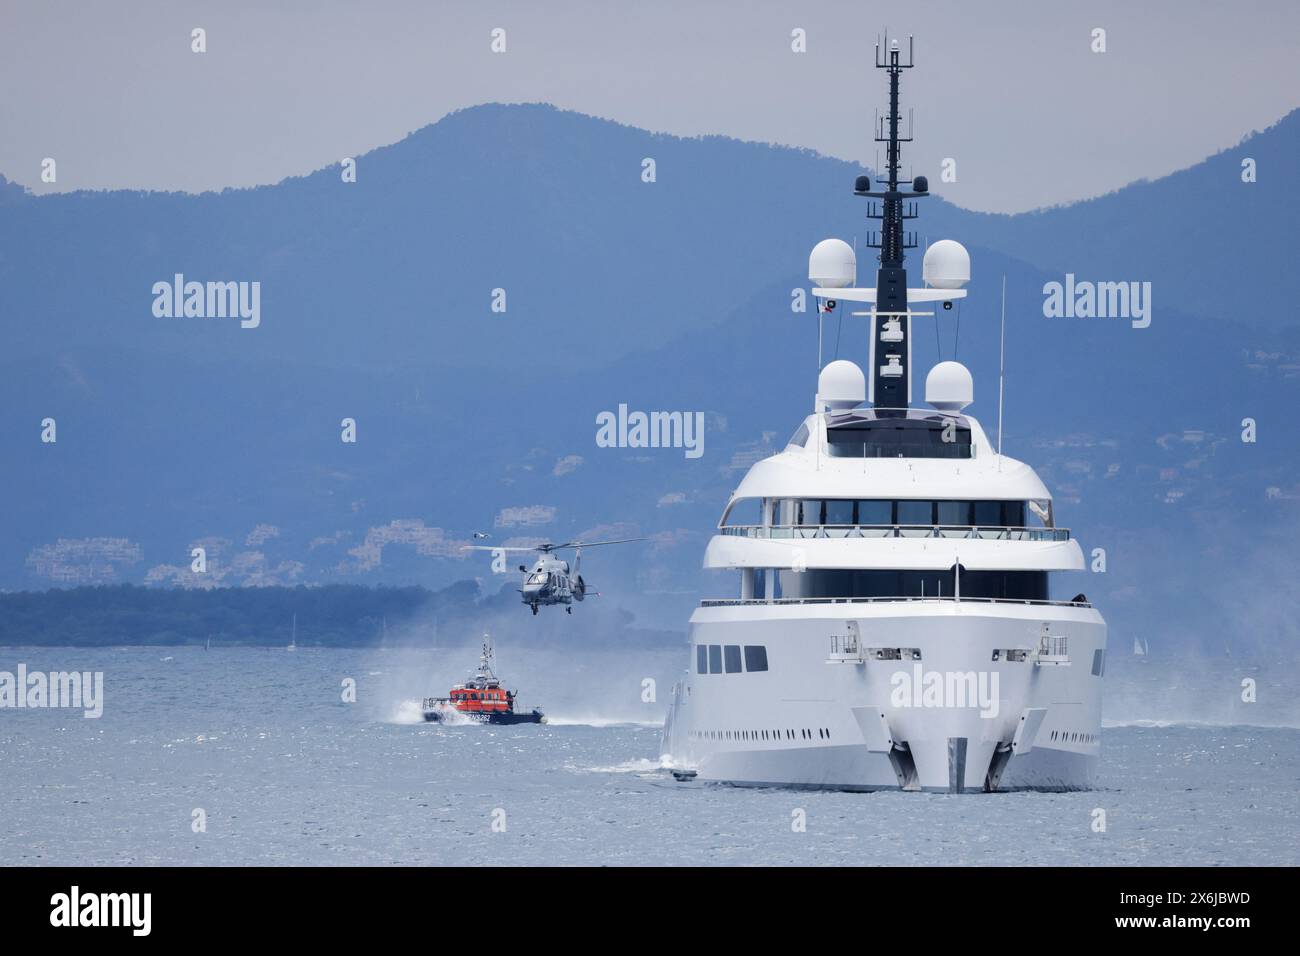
(1010, 90)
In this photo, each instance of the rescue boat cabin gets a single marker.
(490, 698)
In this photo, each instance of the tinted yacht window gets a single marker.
(1008, 585)
(916, 512)
(839, 512)
(892, 583)
(875, 512)
(810, 512)
(954, 513)
(898, 438)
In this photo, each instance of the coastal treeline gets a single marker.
(337, 615)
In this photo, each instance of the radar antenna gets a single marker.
(485, 671)
(891, 325)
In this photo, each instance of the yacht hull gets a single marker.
(952, 712)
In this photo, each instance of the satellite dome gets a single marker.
(949, 387)
(833, 264)
(842, 385)
(946, 265)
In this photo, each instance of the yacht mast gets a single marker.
(891, 324)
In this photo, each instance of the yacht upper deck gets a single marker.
(891, 459)
(809, 507)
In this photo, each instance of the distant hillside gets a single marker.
(376, 296)
(333, 616)
(1211, 243)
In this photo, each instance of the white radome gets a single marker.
(842, 385)
(946, 265)
(949, 387)
(833, 264)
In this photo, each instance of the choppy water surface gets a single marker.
(287, 772)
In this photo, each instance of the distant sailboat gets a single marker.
(208, 645)
(293, 635)
(1139, 647)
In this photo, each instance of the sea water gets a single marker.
(320, 757)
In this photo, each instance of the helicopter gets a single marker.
(550, 580)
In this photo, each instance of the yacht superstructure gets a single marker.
(895, 625)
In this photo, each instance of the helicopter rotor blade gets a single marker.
(548, 548)
(586, 544)
(486, 547)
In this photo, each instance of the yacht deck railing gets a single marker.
(738, 602)
(983, 533)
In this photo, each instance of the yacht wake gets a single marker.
(638, 765)
(589, 720)
(1223, 724)
(407, 712)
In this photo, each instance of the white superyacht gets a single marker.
(895, 625)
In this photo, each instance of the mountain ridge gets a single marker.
(673, 295)
(1288, 117)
